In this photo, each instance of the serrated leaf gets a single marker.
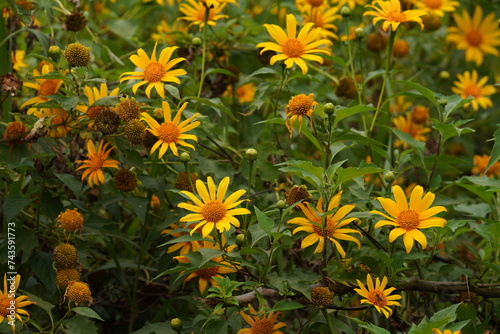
(265, 223)
(439, 319)
(88, 312)
(448, 130)
(349, 173)
(422, 91)
(202, 256)
(44, 305)
(454, 102)
(72, 182)
(495, 152)
(13, 205)
(172, 90)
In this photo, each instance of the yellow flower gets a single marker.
(469, 85)
(404, 123)
(212, 211)
(44, 87)
(313, 224)
(378, 295)
(154, 71)
(10, 307)
(408, 219)
(437, 7)
(446, 331)
(95, 162)
(171, 132)
(323, 20)
(261, 324)
(400, 105)
(184, 246)
(166, 33)
(293, 48)
(390, 12)
(214, 3)
(311, 5)
(195, 12)
(299, 106)
(207, 275)
(93, 94)
(350, 3)
(70, 220)
(481, 162)
(59, 120)
(245, 93)
(476, 35)
(17, 57)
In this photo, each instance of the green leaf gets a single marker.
(11, 174)
(41, 264)
(370, 327)
(172, 90)
(448, 130)
(202, 256)
(438, 320)
(349, 173)
(336, 60)
(55, 75)
(79, 325)
(495, 152)
(304, 170)
(72, 182)
(216, 104)
(107, 101)
(374, 74)
(51, 206)
(46, 306)
(140, 206)
(156, 328)
(44, 39)
(265, 223)
(346, 112)
(88, 312)
(422, 91)
(286, 305)
(454, 102)
(125, 29)
(13, 205)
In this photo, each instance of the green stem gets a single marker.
(249, 187)
(204, 50)
(386, 77)
(187, 167)
(328, 320)
(351, 60)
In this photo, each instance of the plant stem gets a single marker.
(249, 187)
(328, 320)
(351, 59)
(204, 50)
(188, 174)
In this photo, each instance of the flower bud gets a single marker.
(185, 157)
(345, 12)
(329, 108)
(359, 33)
(196, 41)
(54, 52)
(176, 324)
(445, 75)
(281, 204)
(389, 177)
(443, 102)
(251, 154)
(240, 238)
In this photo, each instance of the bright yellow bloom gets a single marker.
(406, 124)
(350, 3)
(437, 7)
(10, 307)
(323, 19)
(95, 162)
(390, 12)
(476, 35)
(171, 132)
(154, 71)
(261, 324)
(481, 162)
(311, 5)
(212, 211)
(469, 85)
(59, 120)
(207, 275)
(195, 12)
(299, 106)
(44, 87)
(214, 3)
(93, 94)
(313, 224)
(184, 246)
(378, 295)
(293, 48)
(245, 93)
(168, 34)
(400, 105)
(446, 331)
(408, 219)
(17, 57)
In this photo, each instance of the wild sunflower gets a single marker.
(437, 7)
(17, 58)
(311, 5)
(171, 132)
(293, 48)
(313, 224)
(265, 324)
(406, 124)
(480, 162)
(154, 71)
(409, 219)
(94, 94)
(390, 12)
(176, 231)
(324, 19)
(378, 295)
(212, 211)
(95, 162)
(245, 93)
(44, 87)
(7, 300)
(475, 34)
(195, 13)
(446, 331)
(59, 120)
(207, 275)
(169, 33)
(469, 85)
(350, 3)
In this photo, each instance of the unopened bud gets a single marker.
(251, 154)
(443, 102)
(185, 157)
(329, 108)
(359, 33)
(444, 75)
(389, 177)
(345, 11)
(281, 204)
(54, 52)
(240, 238)
(176, 324)
(196, 41)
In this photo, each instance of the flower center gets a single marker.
(396, 16)
(378, 298)
(207, 272)
(472, 90)
(154, 72)
(300, 105)
(4, 305)
(433, 4)
(319, 230)
(293, 48)
(96, 161)
(92, 112)
(264, 326)
(48, 87)
(168, 132)
(315, 3)
(214, 211)
(474, 37)
(408, 219)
